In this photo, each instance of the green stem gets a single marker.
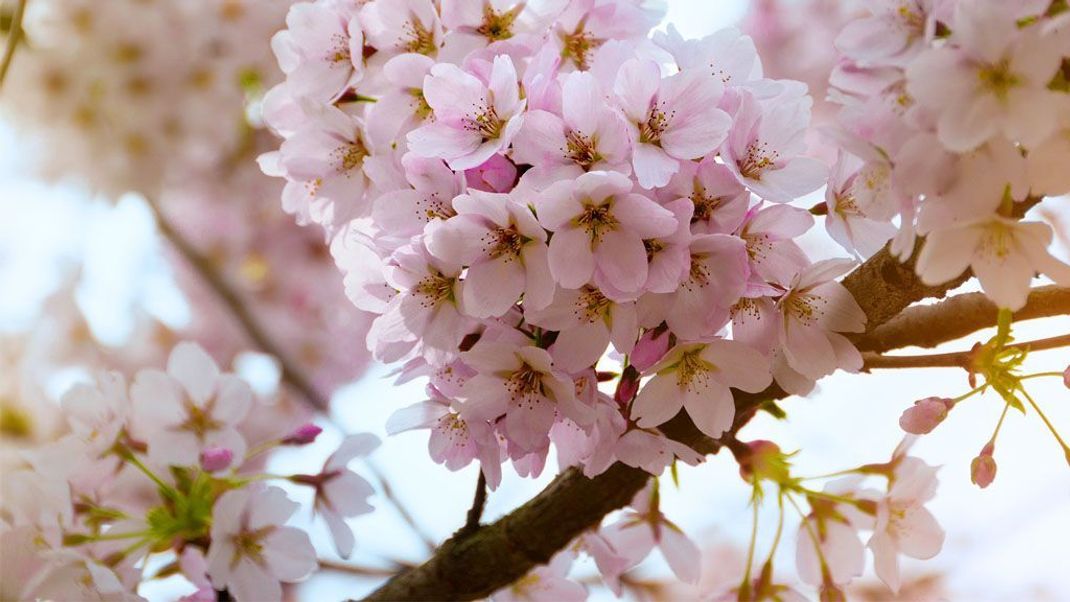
(1051, 427)
(168, 490)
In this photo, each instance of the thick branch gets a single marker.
(474, 565)
(931, 325)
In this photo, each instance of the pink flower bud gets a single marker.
(650, 348)
(214, 459)
(497, 174)
(925, 414)
(305, 434)
(628, 386)
(983, 467)
(1066, 377)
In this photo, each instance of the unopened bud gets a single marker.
(925, 414)
(983, 467)
(650, 348)
(763, 460)
(214, 459)
(303, 435)
(1066, 377)
(628, 386)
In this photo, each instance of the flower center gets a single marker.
(498, 26)
(657, 121)
(503, 242)
(581, 149)
(431, 207)
(758, 158)
(693, 370)
(486, 123)
(247, 544)
(434, 288)
(998, 79)
(705, 204)
(578, 47)
(596, 220)
(996, 241)
(422, 110)
(339, 51)
(199, 421)
(592, 305)
(350, 156)
(420, 39)
(804, 307)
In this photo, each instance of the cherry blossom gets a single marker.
(644, 527)
(1002, 252)
(189, 408)
(670, 119)
(340, 492)
(904, 525)
(925, 415)
(251, 550)
(992, 79)
(321, 50)
(587, 136)
(504, 248)
(697, 377)
(521, 384)
(599, 226)
(473, 120)
(764, 148)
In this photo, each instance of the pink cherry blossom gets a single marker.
(473, 119)
(726, 54)
(769, 233)
(252, 551)
(546, 583)
(521, 384)
(215, 459)
(98, 414)
(505, 250)
(401, 214)
(990, 80)
(652, 451)
(714, 281)
(894, 31)
(587, 322)
(189, 408)
(904, 525)
(405, 26)
(814, 311)
(643, 527)
(454, 441)
(764, 148)
(720, 200)
(497, 174)
(1004, 254)
(697, 377)
(847, 221)
(599, 226)
(340, 492)
(587, 136)
(670, 119)
(402, 107)
(321, 51)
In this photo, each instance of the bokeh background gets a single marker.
(79, 262)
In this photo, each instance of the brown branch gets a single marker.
(14, 36)
(479, 501)
(958, 359)
(931, 325)
(234, 303)
(477, 564)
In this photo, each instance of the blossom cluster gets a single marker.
(955, 118)
(515, 189)
(169, 466)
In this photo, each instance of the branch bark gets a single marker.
(473, 565)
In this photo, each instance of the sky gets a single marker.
(1004, 543)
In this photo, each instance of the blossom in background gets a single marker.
(251, 551)
(189, 408)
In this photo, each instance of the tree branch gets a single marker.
(475, 513)
(931, 325)
(14, 36)
(958, 359)
(473, 566)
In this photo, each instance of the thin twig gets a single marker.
(402, 510)
(959, 359)
(475, 513)
(291, 373)
(363, 571)
(233, 301)
(14, 35)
